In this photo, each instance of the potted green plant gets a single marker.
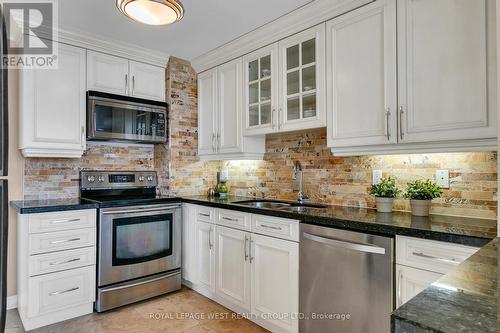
(384, 193)
(421, 193)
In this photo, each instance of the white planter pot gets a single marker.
(384, 205)
(420, 207)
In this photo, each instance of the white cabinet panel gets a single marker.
(207, 112)
(302, 80)
(233, 267)
(275, 280)
(229, 124)
(447, 69)
(189, 242)
(49, 98)
(147, 81)
(412, 281)
(205, 257)
(107, 73)
(361, 76)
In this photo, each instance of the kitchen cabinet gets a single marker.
(116, 75)
(233, 268)
(411, 281)
(205, 258)
(219, 116)
(421, 262)
(56, 258)
(49, 98)
(361, 52)
(437, 104)
(284, 84)
(275, 281)
(188, 242)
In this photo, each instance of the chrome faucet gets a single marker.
(298, 175)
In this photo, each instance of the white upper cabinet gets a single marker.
(220, 125)
(147, 81)
(107, 73)
(447, 69)
(116, 75)
(52, 107)
(439, 95)
(302, 80)
(260, 92)
(361, 76)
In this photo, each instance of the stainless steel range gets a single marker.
(139, 237)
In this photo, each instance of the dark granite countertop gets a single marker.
(462, 230)
(51, 205)
(464, 300)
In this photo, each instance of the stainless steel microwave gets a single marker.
(122, 118)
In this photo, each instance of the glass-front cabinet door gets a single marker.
(302, 80)
(260, 90)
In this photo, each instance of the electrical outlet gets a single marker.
(443, 178)
(377, 176)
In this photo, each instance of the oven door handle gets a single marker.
(145, 210)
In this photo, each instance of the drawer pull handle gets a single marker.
(206, 215)
(271, 227)
(55, 293)
(65, 241)
(64, 221)
(229, 219)
(64, 262)
(426, 256)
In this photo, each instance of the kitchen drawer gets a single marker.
(205, 214)
(61, 240)
(58, 221)
(234, 219)
(60, 291)
(276, 227)
(434, 256)
(61, 260)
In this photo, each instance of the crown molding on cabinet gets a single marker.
(101, 44)
(303, 18)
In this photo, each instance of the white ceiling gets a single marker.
(206, 25)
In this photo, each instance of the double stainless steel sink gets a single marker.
(295, 207)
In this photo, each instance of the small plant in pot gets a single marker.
(384, 193)
(421, 193)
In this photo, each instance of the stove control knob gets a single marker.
(141, 178)
(91, 179)
(150, 178)
(100, 179)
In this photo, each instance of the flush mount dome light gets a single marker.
(152, 12)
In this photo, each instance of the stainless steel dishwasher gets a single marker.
(346, 281)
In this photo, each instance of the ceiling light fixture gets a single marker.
(152, 12)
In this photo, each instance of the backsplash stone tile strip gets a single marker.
(344, 180)
(52, 178)
(327, 178)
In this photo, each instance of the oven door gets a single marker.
(138, 241)
(110, 119)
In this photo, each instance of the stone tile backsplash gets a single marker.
(327, 178)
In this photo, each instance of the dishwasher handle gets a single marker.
(361, 247)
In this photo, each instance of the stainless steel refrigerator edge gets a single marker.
(345, 274)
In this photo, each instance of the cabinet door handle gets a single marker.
(387, 131)
(426, 256)
(246, 242)
(400, 282)
(401, 132)
(65, 241)
(250, 250)
(203, 214)
(229, 219)
(218, 143)
(133, 84)
(55, 293)
(273, 120)
(271, 227)
(213, 142)
(280, 110)
(126, 83)
(55, 263)
(64, 221)
(210, 245)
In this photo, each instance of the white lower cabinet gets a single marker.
(275, 283)
(421, 262)
(242, 267)
(56, 258)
